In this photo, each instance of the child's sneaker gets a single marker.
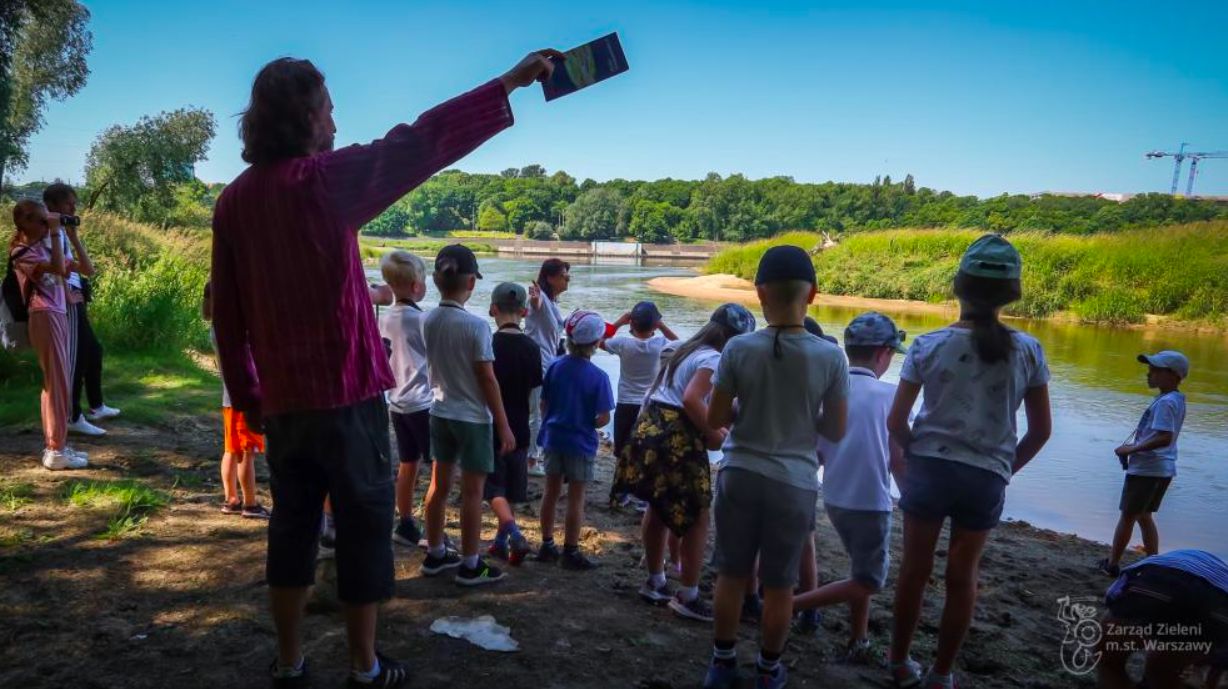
(407, 533)
(772, 680)
(57, 460)
(808, 622)
(437, 565)
(549, 552)
(478, 576)
(656, 594)
(520, 550)
(391, 674)
(235, 507)
(499, 552)
(83, 427)
(933, 681)
(102, 413)
(859, 652)
(576, 561)
(905, 675)
(722, 675)
(256, 511)
(284, 680)
(697, 609)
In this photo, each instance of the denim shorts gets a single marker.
(574, 468)
(935, 489)
(866, 536)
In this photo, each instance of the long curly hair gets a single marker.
(277, 123)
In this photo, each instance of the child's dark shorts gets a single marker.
(413, 433)
(510, 479)
(1141, 494)
(935, 489)
(756, 515)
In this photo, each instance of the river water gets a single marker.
(1098, 391)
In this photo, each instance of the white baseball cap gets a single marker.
(585, 328)
(1172, 360)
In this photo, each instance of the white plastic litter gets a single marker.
(482, 631)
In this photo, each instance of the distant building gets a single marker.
(1118, 197)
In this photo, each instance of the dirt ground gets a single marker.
(182, 602)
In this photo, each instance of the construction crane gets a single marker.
(1179, 157)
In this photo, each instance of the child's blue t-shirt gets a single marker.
(575, 392)
(1166, 413)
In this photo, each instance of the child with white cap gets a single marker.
(1150, 458)
(576, 400)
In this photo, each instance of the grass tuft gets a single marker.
(129, 502)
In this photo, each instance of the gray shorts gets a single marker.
(866, 535)
(574, 468)
(758, 516)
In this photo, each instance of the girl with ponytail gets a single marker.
(963, 447)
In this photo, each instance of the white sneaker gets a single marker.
(83, 456)
(57, 460)
(537, 468)
(83, 427)
(102, 413)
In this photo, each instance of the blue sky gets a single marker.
(977, 97)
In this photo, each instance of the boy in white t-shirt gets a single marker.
(639, 360)
(409, 403)
(857, 478)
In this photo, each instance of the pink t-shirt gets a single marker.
(47, 292)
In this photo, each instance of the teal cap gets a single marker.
(993, 257)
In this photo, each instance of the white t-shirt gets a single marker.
(639, 361)
(1166, 413)
(401, 325)
(545, 327)
(74, 279)
(455, 341)
(857, 470)
(968, 407)
(671, 390)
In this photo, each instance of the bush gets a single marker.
(539, 230)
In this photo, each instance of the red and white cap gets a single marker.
(585, 328)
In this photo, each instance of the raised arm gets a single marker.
(361, 181)
(669, 334)
(83, 266)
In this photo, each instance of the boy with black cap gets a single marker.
(518, 370)
(639, 359)
(790, 388)
(1150, 458)
(467, 400)
(857, 475)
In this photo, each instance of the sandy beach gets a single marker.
(722, 287)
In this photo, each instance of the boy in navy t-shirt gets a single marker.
(576, 401)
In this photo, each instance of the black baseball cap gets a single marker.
(457, 258)
(783, 263)
(645, 315)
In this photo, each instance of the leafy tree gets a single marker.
(191, 205)
(594, 215)
(491, 219)
(510, 173)
(43, 46)
(532, 171)
(652, 221)
(910, 186)
(539, 230)
(391, 223)
(134, 170)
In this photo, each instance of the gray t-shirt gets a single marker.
(545, 327)
(968, 407)
(455, 341)
(775, 433)
(401, 325)
(1166, 413)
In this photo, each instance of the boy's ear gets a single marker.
(814, 291)
(494, 313)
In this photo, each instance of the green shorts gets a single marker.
(464, 442)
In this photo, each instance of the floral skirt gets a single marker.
(665, 464)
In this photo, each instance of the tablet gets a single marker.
(585, 66)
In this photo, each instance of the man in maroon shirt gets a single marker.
(297, 339)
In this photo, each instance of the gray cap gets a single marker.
(873, 329)
(993, 257)
(509, 294)
(1172, 360)
(735, 317)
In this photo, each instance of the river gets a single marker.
(1098, 391)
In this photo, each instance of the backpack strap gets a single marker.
(29, 289)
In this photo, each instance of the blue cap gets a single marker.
(1170, 359)
(645, 315)
(735, 317)
(993, 257)
(873, 329)
(812, 326)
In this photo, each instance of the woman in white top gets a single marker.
(544, 325)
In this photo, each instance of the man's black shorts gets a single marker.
(342, 453)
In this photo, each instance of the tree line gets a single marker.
(538, 205)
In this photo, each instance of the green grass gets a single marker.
(13, 496)
(374, 247)
(1180, 272)
(152, 388)
(129, 503)
(479, 234)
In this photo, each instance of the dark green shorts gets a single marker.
(462, 442)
